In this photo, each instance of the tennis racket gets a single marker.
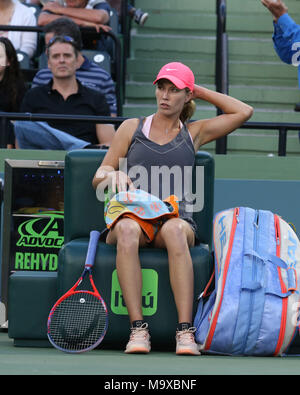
(78, 321)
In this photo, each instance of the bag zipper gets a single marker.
(226, 266)
(254, 275)
(283, 288)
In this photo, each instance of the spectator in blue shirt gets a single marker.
(286, 35)
(88, 73)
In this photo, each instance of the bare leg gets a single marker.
(177, 236)
(128, 237)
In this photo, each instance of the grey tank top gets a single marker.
(162, 170)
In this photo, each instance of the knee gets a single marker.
(21, 125)
(128, 234)
(173, 231)
(23, 128)
(18, 125)
(19, 132)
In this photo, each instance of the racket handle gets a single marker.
(92, 248)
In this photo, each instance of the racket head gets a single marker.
(77, 322)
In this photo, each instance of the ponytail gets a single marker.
(188, 111)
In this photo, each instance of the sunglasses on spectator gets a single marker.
(61, 39)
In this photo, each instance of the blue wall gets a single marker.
(278, 196)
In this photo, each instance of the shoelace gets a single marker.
(139, 332)
(187, 335)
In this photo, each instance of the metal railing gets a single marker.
(282, 128)
(117, 61)
(222, 86)
(16, 116)
(221, 73)
(27, 116)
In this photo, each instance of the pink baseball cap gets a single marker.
(179, 74)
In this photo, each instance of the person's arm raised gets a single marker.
(277, 8)
(235, 113)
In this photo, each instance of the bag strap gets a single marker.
(205, 292)
(291, 275)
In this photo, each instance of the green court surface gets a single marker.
(49, 361)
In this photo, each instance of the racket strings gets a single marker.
(79, 322)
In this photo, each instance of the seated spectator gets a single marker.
(12, 12)
(12, 88)
(88, 13)
(138, 15)
(63, 95)
(88, 73)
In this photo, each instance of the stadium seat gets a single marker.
(114, 21)
(42, 61)
(158, 304)
(24, 60)
(101, 58)
(83, 213)
(115, 29)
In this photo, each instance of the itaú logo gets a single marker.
(45, 231)
(149, 294)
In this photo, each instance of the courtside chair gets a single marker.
(31, 295)
(83, 213)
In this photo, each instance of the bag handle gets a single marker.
(291, 275)
(268, 258)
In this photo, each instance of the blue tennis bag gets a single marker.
(254, 307)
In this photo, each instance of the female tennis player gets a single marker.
(164, 139)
